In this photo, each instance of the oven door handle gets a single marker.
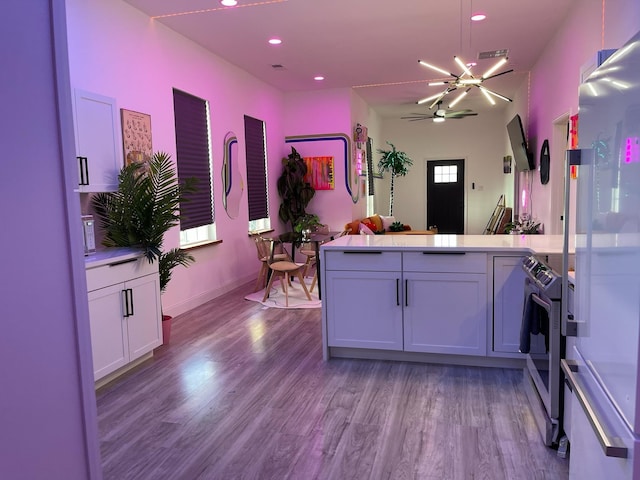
(536, 298)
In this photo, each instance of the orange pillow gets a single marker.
(353, 227)
(376, 221)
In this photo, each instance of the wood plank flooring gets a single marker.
(242, 392)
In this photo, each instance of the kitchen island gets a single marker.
(453, 299)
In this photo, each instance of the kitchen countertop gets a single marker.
(542, 244)
(110, 255)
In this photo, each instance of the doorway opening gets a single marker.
(445, 195)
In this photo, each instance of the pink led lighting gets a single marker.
(632, 150)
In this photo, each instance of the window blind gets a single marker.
(193, 159)
(256, 168)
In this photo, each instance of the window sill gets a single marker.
(192, 246)
(260, 232)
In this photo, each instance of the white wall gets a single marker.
(116, 50)
(48, 415)
(555, 80)
(480, 141)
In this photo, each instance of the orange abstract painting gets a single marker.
(320, 172)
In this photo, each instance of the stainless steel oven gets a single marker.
(542, 341)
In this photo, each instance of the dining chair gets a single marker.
(265, 247)
(285, 269)
(309, 250)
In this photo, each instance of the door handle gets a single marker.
(131, 301)
(406, 292)
(397, 291)
(125, 302)
(84, 170)
(610, 444)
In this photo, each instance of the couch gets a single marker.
(379, 224)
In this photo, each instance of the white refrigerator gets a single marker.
(602, 362)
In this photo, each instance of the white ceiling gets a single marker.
(373, 45)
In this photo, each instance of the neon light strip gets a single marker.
(207, 10)
(332, 136)
(229, 147)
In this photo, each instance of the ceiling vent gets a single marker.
(493, 54)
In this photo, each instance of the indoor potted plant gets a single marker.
(295, 193)
(145, 206)
(397, 163)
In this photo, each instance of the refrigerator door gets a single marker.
(608, 229)
(602, 446)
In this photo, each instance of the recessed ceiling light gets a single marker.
(228, 3)
(478, 17)
(471, 64)
(318, 78)
(275, 41)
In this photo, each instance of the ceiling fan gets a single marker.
(466, 80)
(440, 114)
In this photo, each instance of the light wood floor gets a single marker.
(242, 392)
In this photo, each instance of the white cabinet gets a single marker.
(364, 300)
(411, 301)
(508, 302)
(445, 302)
(124, 313)
(98, 141)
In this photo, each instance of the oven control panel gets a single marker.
(543, 276)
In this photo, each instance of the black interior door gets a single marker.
(445, 195)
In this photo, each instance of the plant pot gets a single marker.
(166, 329)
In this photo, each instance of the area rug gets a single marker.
(297, 298)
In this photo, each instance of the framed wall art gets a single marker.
(136, 136)
(320, 173)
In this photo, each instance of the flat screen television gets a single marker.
(523, 160)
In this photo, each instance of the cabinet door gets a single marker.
(508, 300)
(364, 309)
(445, 313)
(98, 140)
(108, 331)
(144, 327)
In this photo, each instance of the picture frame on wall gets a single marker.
(320, 172)
(136, 136)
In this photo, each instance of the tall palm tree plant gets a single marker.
(395, 162)
(145, 206)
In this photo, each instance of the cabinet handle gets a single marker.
(361, 252)
(125, 302)
(406, 292)
(444, 253)
(397, 291)
(123, 262)
(131, 301)
(84, 171)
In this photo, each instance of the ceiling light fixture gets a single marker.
(478, 17)
(318, 78)
(228, 3)
(275, 41)
(465, 80)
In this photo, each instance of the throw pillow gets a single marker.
(387, 221)
(369, 224)
(376, 221)
(364, 230)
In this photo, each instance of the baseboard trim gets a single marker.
(202, 298)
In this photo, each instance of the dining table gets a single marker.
(314, 238)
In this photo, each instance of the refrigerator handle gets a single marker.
(611, 446)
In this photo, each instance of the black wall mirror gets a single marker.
(231, 178)
(544, 163)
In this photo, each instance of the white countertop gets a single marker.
(110, 255)
(543, 244)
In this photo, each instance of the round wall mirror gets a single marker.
(231, 178)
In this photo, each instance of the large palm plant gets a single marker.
(397, 163)
(145, 206)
